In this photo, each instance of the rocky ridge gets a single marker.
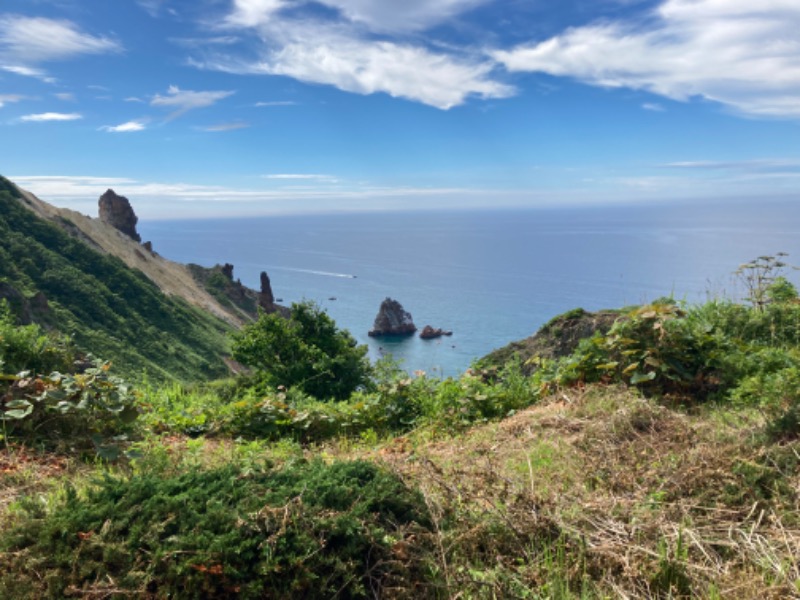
(172, 278)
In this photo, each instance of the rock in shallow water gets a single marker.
(392, 319)
(429, 333)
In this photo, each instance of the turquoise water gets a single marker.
(490, 276)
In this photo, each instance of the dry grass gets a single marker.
(604, 494)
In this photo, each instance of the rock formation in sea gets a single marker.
(117, 211)
(266, 299)
(429, 333)
(392, 319)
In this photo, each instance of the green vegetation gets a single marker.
(306, 530)
(114, 311)
(650, 452)
(305, 350)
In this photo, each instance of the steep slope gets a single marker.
(79, 287)
(172, 278)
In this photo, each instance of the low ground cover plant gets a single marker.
(307, 530)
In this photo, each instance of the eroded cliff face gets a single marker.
(117, 211)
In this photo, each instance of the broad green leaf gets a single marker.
(639, 377)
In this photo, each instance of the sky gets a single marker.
(212, 108)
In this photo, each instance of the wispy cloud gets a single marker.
(226, 126)
(740, 53)
(128, 127)
(51, 116)
(30, 40)
(162, 200)
(302, 176)
(367, 67)
(405, 16)
(359, 50)
(7, 98)
(28, 72)
(185, 100)
(133, 99)
(653, 107)
(275, 103)
(65, 96)
(752, 165)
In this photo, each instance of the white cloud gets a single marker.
(401, 16)
(65, 96)
(185, 100)
(275, 103)
(36, 39)
(302, 177)
(128, 127)
(51, 116)
(342, 50)
(133, 99)
(6, 98)
(168, 200)
(320, 54)
(28, 72)
(251, 13)
(740, 53)
(227, 126)
(653, 107)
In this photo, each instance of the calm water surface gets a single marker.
(490, 276)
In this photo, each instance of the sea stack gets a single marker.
(392, 319)
(117, 211)
(266, 299)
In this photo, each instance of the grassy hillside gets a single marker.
(111, 310)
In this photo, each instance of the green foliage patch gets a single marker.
(310, 530)
(307, 351)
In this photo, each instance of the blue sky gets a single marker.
(196, 108)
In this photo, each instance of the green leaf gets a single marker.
(639, 377)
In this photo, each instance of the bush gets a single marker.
(310, 530)
(29, 348)
(306, 351)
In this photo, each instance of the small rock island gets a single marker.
(392, 320)
(430, 333)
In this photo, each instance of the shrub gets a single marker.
(310, 530)
(306, 351)
(29, 348)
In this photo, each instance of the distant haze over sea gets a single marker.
(490, 276)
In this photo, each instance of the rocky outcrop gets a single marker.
(266, 299)
(558, 338)
(392, 319)
(117, 211)
(429, 333)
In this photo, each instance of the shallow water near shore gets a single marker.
(491, 277)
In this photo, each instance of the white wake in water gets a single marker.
(312, 272)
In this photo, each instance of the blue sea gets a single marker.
(490, 276)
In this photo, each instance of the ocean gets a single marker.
(490, 276)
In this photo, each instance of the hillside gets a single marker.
(173, 279)
(84, 278)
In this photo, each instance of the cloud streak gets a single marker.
(129, 127)
(742, 54)
(50, 116)
(30, 40)
(185, 100)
